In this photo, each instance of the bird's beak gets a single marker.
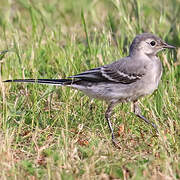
(165, 45)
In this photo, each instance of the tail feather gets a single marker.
(44, 81)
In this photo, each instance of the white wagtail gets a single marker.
(124, 80)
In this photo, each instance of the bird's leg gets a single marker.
(108, 116)
(137, 112)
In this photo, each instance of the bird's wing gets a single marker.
(124, 71)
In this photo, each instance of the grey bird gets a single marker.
(126, 79)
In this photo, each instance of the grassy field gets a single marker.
(49, 132)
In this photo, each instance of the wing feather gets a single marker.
(122, 71)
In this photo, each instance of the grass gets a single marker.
(49, 132)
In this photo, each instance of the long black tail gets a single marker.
(44, 81)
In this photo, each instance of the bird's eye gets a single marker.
(153, 43)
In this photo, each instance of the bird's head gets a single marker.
(148, 44)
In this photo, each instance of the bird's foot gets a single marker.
(116, 143)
